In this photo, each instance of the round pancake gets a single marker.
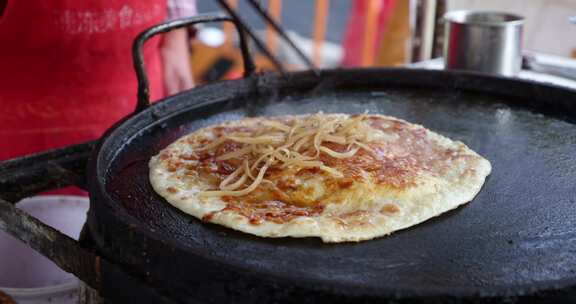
(404, 175)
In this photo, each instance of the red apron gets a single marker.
(66, 70)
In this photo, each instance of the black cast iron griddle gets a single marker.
(516, 238)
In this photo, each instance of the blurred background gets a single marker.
(81, 51)
(348, 33)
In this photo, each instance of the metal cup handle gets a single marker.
(138, 58)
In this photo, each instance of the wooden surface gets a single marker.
(275, 10)
(320, 20)
(370, 30)
(393, 49)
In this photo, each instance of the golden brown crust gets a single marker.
(396, 165)
(392, 185)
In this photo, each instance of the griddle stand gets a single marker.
(27, 176)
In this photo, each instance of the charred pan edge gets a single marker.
(248, 284)
(547, 99)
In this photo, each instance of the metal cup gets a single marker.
(489, 42)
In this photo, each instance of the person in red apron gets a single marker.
(66, 70)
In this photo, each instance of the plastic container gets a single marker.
(27, 276)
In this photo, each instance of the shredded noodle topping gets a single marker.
(279, 144)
